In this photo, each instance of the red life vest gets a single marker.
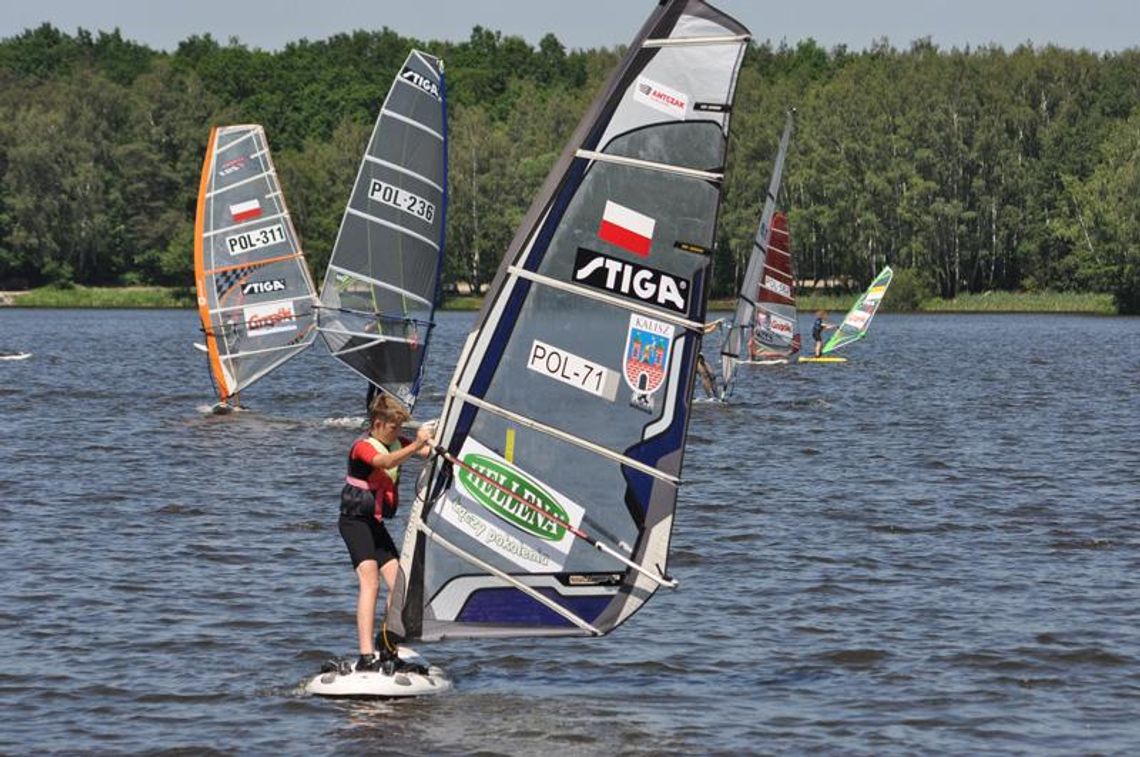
(368, 491)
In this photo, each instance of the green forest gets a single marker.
(969, 170)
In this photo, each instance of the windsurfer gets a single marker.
(369, 495)
(708, 380)
(818, 328)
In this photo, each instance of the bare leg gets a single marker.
(369, 577)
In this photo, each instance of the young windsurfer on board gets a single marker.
(817, 330)
(369, 495)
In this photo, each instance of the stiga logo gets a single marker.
(632, 280)
(263, 287)
(507, 507)
(420, 82)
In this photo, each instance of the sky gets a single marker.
(1101, 26)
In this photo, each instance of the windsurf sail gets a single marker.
(381, 289)
(255, 294)
(858, 318)
(764, 324)
(548, 506)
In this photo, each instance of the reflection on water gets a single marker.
(929, 548)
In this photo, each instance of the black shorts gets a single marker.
(367, 539)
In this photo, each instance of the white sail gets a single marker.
(255, 294)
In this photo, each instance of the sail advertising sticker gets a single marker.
(270, 318)
(503, 508)
(626, 228)
(648, 345)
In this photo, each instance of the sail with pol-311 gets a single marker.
(381, 289)
(764, 324)
(255, 294)
(548, 507)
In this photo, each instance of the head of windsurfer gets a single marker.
(386, 416)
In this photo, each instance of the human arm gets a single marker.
(383, 459)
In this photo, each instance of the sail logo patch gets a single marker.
(233, 165)
(270, 318)
(631, 280)
(659, 97)
(506, 492)
(420, 82)
(570, 369)
(857, 318)
(509, 512)
(781, 326)
(773, 284)
(626, 228)
(401, 199)
(648, 345)
(263, 287)
(245, 211)
(254, 240)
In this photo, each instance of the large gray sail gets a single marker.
(765, 307)
(255, 294)
(548, 508)
(381, 288)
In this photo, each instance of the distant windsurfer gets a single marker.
(818, 328)
(708, 380)
(370, 494)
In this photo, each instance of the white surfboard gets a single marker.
(349, 684)
(15, 355)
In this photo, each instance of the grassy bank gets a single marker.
(102, 297)
(1021, 302)
(183, 297)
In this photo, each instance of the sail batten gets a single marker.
(563, 436)
(570, 403)
(255, 294)
(381, 288)
(395, 227)
(650, 165)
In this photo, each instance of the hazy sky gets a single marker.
(1101, 25)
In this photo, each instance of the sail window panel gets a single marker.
(696, 145)
(619, 213)
(403, 144)
(384, 254)
(679, 86)
(409, 101)
(572, 368)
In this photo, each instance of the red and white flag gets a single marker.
(244, 211)
(627, 229)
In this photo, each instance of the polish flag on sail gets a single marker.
(244, 211)
(627, 229)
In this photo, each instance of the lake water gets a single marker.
(932, 548)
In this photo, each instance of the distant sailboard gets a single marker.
(255, 294)
(764, 328)
(15, 355)
(381, 289)
(858, 318)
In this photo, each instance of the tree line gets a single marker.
(967, 170)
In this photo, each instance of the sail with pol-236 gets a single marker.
(381, 289)
(548, 506)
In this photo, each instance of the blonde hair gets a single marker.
(387, 409)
